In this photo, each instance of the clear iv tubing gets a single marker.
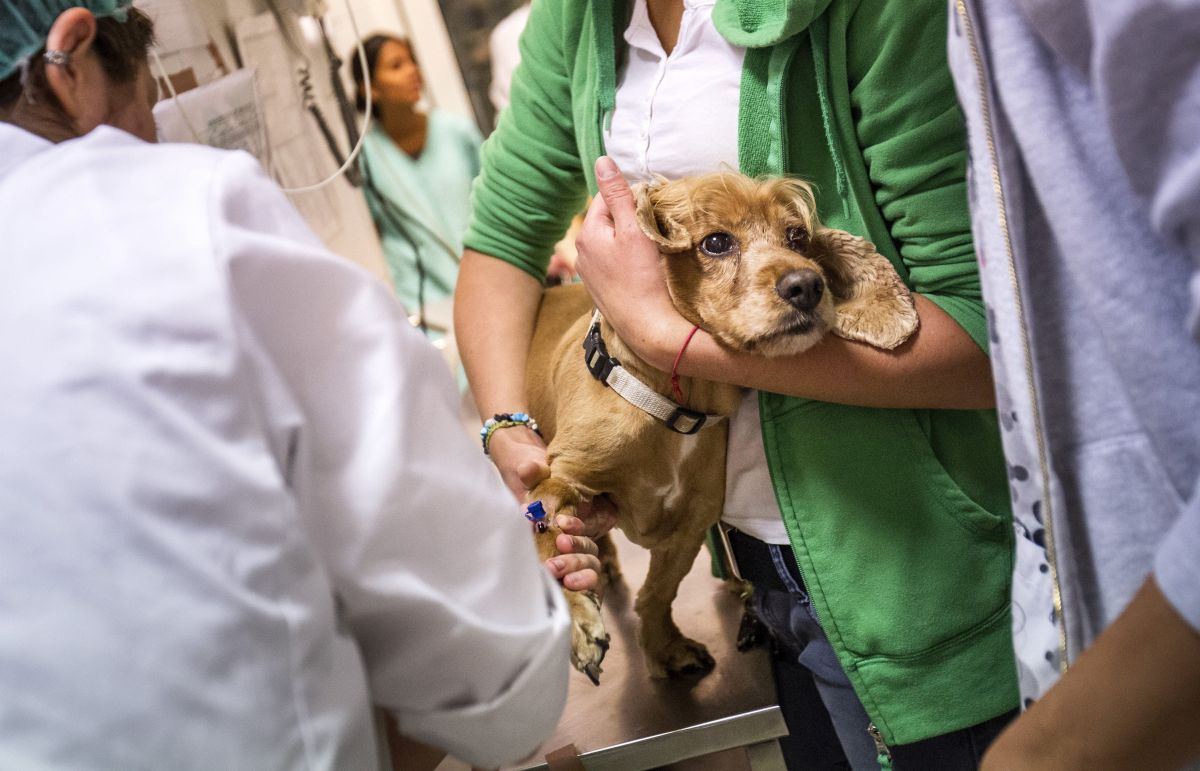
(362, 62)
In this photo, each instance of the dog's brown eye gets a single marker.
(717, 244)
(797, 237)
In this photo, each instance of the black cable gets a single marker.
(349, 118)
(398, 216)
(307, 97)
(330, 141)
(353, 174)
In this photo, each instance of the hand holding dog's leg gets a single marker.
(592, 518)
(589, 640)
(577, 564)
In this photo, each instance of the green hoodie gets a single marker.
(899, 519)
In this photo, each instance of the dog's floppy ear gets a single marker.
(873, 305)
(658, 223)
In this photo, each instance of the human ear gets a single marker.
(79, 83)
(873, 304)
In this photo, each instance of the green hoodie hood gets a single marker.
(762, 23)
(762, 26)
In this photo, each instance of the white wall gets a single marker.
(421, 22)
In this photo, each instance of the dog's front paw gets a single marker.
(589, 640)
(682, 656)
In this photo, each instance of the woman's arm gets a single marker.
(530, 186)
(1132, 700)
(532, 179)
(939, 367)
(495, 305)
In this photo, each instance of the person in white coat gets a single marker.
(236, 505)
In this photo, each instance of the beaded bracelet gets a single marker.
(505, 420)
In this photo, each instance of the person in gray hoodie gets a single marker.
(1084, 125)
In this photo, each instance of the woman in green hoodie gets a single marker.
(868, 488)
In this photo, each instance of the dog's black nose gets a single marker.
(801, 288)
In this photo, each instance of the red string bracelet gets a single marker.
(675, 367)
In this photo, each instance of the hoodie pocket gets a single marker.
(898, 558)
(1117, 505)
(969, 512)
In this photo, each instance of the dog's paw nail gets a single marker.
(593, 672)
(602, 643)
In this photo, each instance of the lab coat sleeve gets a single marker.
(463, 632)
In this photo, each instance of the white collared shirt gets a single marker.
(677, 115)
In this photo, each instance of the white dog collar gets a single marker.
(609, 371)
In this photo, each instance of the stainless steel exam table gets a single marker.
(725, 721)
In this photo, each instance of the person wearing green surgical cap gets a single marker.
(232, 474)
(66, 68)
(26, 24)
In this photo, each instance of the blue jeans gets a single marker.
(827, 721)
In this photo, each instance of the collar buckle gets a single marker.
(595, 355)
(609, 371)
(685, 421)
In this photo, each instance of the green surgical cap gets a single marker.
(25, 24)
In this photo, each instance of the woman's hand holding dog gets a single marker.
(520, 455)
(620, 267)
(939, 367)
(577, 564)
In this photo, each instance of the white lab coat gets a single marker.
(236, 505)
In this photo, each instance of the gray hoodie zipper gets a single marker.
(968, 29)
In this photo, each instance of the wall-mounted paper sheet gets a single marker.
(223, 113)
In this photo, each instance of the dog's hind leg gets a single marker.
(589, 640)
(668, 652)
(610, 566)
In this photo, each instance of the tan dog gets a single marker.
(748, 262)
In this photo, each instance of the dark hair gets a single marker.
(372, 46)
(120, 45)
